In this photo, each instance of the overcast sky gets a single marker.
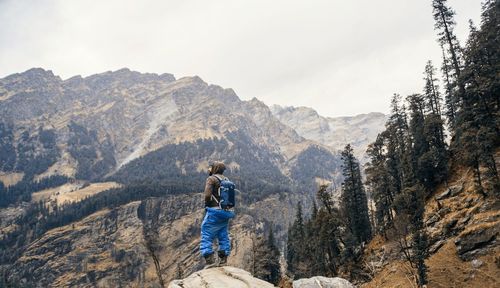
(339, 57)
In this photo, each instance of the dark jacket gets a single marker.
(212, 185)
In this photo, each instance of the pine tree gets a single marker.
(273, 265)
(396, 132)
(412, 216)
(378, 182)
(478, 124)
(266, 259)
(326, 223)
(452, 58)
(450, 99)
(443, 15)
(296, 245)
(353, 200)
(431, 89)
(325, 198)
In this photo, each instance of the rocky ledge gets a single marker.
(228, 276)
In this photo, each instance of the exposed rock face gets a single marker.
(138, 112)
(322, 282)
(132, 114)
(220, 277)
(144, 242)
(336, 132)
(470, 241)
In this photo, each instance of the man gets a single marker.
(216, 221)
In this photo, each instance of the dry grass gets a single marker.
(10, 178)
(72, 192)
(398, 274)
(90, 190)
(445, 268)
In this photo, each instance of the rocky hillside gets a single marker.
(463, 229)
(336, 132)
(140, 243)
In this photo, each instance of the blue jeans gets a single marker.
(215, 224)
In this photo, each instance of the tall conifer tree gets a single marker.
(353, 199)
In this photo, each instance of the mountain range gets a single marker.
(124, 132)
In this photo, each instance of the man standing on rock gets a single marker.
(219, 201)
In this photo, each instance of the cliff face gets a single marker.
(151, 241)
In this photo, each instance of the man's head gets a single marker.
(216, 168)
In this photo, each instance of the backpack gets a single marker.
(225, 193)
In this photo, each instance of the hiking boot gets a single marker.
(209, 261)
(222, 258)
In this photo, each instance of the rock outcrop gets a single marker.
(221, 277)
(476, 241)
(322, 282)
(231, 277)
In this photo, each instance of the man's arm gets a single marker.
(208, 190)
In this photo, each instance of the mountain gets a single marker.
(101, 123)
(101, 175)
(336, 132)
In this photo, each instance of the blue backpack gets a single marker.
(225, 193)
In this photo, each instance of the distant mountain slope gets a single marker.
(101, 123)
(336, 132)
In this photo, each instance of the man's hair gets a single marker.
(218, 167)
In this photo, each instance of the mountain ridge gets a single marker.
(164, 99)
(336, 132)
(149, 139)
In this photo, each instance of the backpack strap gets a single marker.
(218, 190)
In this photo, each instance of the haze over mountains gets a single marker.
(143, 135)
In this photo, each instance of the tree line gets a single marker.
(330, 242)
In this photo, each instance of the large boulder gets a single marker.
(322, 282)
(226, 276)
(477, 241)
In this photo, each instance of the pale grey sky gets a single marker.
(339, 57)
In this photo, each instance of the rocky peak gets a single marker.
(34, 78)
(283, 110)
(336, 132)
(124, 78)
(38, 73)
